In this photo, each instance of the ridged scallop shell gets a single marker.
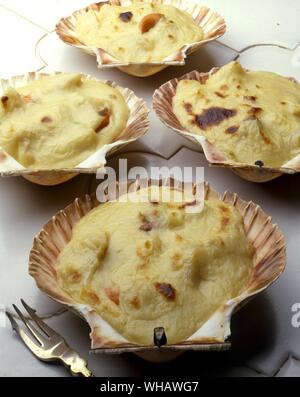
(269, 263)
(212, 23)
(137, 126)
(163, 106)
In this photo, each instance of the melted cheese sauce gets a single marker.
(59, 121)
(143, 265)
(117, 30)
(248, 116)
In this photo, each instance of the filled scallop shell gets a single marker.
(137, 126)
(212, 23)
(268, 264)
(163, 106)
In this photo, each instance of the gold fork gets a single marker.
(46, 344)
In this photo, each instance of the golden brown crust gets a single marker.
(269, 263)
(163, 106)
(213, 25)
(136, 127)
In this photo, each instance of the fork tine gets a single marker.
(32, 346)
(43, 326)
(13, 322)
(38, 337)
(25, 338)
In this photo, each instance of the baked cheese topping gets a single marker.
(139, 32)
(59, 121)
(142, 265)
(251, 117)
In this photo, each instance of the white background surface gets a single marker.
(264, 341)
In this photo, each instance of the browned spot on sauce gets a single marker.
(219, 242)
(91, 296)
(171, 36)
(146, 227)
(28, 98)
(179, 238)
(188, 107)
(144, 263)
(297, 112)
(114, 295)
(233, 129)
(224, 87)
(156, 213)
(135, 302)
(264, 137)
(2, 156)
(250, 98)
(166, 290)
(75, 277)
(225, 221)
(214, 116)
(176, 261)
(283, 103)
(177, 257)
(126, 16)
(46, 120)
(255, 111)
(105, 113)
(225, 218)
(4, 101)
(225, 210)
(258, 86)
(149, 21)
(104, 124)
(155, 202)
(94, 298)
(238, 87)
(220, 95)
(105, 253)
(143, 218)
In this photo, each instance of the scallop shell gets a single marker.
(211, 22)
(137, 126)
(269, 263)
(163, 106)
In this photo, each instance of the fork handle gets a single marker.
(76, 364)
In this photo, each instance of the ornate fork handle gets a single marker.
(76, 364)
